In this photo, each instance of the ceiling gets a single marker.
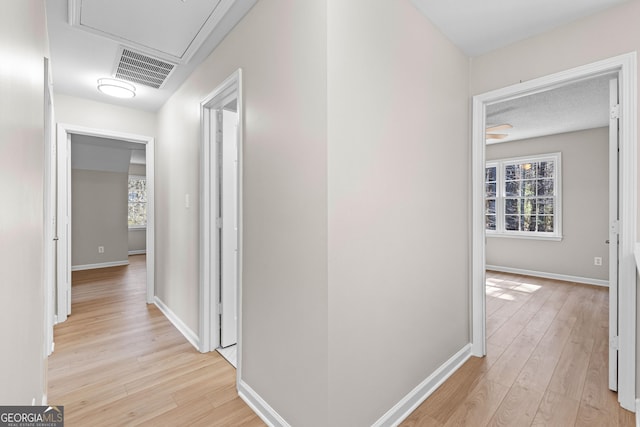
(478, 27)
(576, 106)
(104, 154)
(87, 36)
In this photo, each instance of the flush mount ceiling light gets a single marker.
(116, 88)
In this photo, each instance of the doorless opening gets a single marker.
(625, 65)
(220, 308)
(64, 208)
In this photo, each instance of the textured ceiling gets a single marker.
(576, 106)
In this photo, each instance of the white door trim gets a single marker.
(614, 204)
(64, 208)
(209, 286)
(626, 65)
(50, 162)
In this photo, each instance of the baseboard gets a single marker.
(191, 336)
(99, 265)
(411, 401)
(565, 277)
(260, 407)
(637, 412)
(138, 252)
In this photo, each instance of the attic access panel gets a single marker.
(170, 29)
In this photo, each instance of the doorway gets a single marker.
(622, 337)
(221, 219)
(64, 207)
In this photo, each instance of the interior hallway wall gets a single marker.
(281, 47)
(398, 205)
(102, 115)
(23, 362)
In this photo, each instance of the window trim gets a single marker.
(137, 227)
(501, 196)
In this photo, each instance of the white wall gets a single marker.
(281, 47)
(585, 208)
(609, 33)
(395, 89)
(101, 115)
(23, 362)
(398, 205)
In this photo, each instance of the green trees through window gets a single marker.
(137, 201)
(522, 196)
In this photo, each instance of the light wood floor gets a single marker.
(119, 361)
(546, 363)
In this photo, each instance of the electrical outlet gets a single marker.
(100, 249)
(597, 260)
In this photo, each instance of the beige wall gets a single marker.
(585, 203)
(137, 240)
(98, 217)
(135, 169)
(281, 47)
(23, 362)
(610, 33)
(100, 115)
(398, 243)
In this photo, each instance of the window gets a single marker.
(137, 201)
(522, 197)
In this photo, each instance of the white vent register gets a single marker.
(142, 69)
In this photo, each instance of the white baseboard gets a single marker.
(138, 252)
(260, 407)
(99, 265)
(191, 336)
(411, 401)
(565, 277)
(637, 412)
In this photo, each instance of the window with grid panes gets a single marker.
(522, 197)
(137, 217)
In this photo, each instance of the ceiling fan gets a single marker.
(490, 131)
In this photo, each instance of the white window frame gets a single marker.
(136, 227)
(500, 230)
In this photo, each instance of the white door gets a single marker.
(613, 233)
(229, 231)
(63, 248)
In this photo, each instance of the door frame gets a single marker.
(64, 132)
(50, 237)
(626, 66)
(209, 287)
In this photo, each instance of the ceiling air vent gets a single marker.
(145, 70)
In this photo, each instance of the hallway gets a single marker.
(119, 361)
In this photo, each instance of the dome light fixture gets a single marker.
(117, 88)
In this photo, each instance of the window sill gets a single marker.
(524, 236)
(137, 227)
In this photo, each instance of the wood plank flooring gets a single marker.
(546, 363)
(119, 361)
